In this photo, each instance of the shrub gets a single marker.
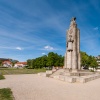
(1, 77)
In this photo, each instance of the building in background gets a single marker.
(20, 65)
(7, 63)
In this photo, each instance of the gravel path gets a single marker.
(34, 87)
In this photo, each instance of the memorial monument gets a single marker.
(72, 63)
(72, 55)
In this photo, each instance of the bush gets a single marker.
(6, 94)
(1, 77)
(91, 70)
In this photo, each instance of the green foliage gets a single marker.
(0, 62)
(29, 62)
(6, 94)
(93, 63)
(91, 70)
(14, 62)
(1, 77)
(88, 61)
(84, 59)
(52, 59)
(9, 71)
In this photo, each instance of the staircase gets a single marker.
(58, 72)
(81, 77)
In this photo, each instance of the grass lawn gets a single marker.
(10, 71)
(2, 77)
(6, 94)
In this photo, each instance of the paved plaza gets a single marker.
(34, 87)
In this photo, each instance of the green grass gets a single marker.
(2, 77)
(6, 94)
(10, 71)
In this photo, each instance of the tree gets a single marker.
(0, 62)
(88, 61)
(84, 59)
(14, 62)
(44, 61)
(52, 59)
(93, 63)
(29, 62)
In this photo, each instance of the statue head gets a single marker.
(73, 19)
(73, 23)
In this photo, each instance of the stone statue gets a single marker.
(73, 23)
(73, 19)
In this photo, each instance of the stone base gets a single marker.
(70, 70)
(74, 71)
(42, 74)
(72, 77)
(77, 76)
(47, 74)
(79, 73)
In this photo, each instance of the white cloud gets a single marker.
(48, 48)
(12, 48)
(43, 53)
(96, 28)
(18, 48)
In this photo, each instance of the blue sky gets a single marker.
(32, 28)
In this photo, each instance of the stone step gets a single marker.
(71, 79)
(65, 78)
(58, 72)
(88, 78)
(77, 79)
(46, 74)
(42, 74)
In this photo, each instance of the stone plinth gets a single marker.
(72, 55)
(80, 77)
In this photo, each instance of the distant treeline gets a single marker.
(52, 59)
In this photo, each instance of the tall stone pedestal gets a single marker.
(72, 55)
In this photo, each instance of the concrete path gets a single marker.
(34, 87)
